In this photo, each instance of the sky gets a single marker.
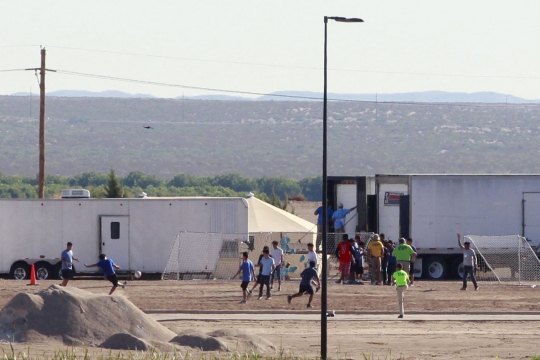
(171, 48)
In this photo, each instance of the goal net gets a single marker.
(505, 259)
(205, 256)
(218, 255)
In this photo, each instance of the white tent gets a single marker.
(263, 217)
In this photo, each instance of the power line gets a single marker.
(301, 67)
(8, 70)
(115, 78)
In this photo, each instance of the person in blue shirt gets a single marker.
(67, 264)
(248, 274)
(319, 212)
(305, 284)
(108, 267)
(338, 217)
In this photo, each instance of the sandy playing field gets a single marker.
(374, 330)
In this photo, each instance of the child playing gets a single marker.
(305, 284)
(248, 275)
(108, 266)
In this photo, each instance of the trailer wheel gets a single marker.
(457, 268)
(435, 268)
(43, 271)
(57, 271)
(19, 271)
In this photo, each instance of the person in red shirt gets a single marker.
(344, 253)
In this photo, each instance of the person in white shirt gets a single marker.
(469, 263)
(277, 255)
(312, 257)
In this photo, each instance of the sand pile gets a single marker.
(78, 317)
(225, 340)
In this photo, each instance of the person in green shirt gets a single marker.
(404, 255)
(401, 279)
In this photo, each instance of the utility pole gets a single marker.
(41, 176)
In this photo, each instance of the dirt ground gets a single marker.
(346, 339)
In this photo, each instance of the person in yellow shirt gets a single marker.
(401, 279)
(375, 251)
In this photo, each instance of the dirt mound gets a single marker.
(224, 340)
(200, 341)
(243, 342)
(76, 317)
(124, 341)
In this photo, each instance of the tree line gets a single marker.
(100, 185)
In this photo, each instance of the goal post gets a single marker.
(205, 256)
(507, 259)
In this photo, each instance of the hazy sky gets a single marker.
(265, 46)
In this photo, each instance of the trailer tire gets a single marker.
(435, 268)
(58, 271)
(43, 271)
(19, 271)
(457, 269)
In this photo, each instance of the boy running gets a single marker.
(401, 279)
(248, 275)
(258, 280)
(267, 267)
(305, 284)
(108, 266)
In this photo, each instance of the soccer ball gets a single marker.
(138, 274)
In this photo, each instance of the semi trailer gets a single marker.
(432, 209)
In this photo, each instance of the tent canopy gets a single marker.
(264, 217)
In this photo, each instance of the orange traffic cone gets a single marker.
(32, 275)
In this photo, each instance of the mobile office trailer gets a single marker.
(431, 209)
(136, 233)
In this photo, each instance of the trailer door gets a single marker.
(115, 239)
(531, 217)
(346, 194)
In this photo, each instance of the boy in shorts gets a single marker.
(305, 284)
(108, 266)
(248, 275)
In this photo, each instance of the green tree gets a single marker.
(138, 178)
(113, 189)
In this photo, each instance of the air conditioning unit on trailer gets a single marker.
(75, 194)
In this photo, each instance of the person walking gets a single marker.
(411, 270)
(67, 264)
(308, 275)
(277, 254)
(375, 252)
(401, 279)
(338, 218)
(248, 274)
(470, 263)
(258, 278)
(108, 266)
(404, 255)
(267, 267)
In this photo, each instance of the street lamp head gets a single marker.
(344, 19)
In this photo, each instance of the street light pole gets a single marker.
(324, 278)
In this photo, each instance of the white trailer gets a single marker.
(431, 209)
(136, 233)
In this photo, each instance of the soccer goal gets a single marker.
(205, 256)
(505, 259)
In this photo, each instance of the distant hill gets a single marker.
(421, 97)
(267, 138)
(83, 93)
